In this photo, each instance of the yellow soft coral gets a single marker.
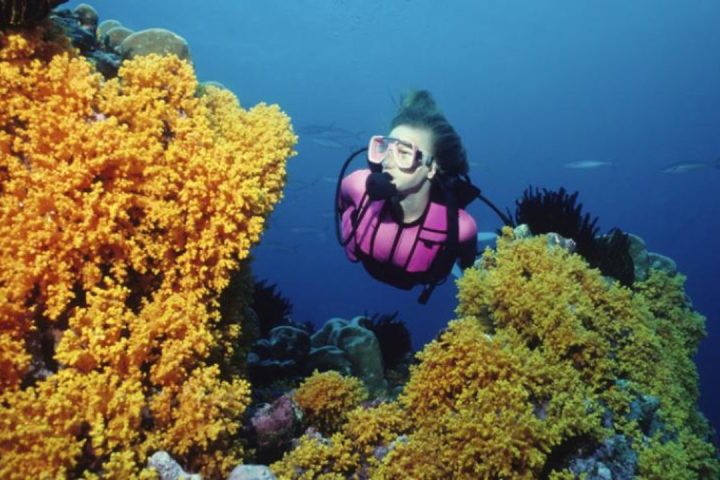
(327, 398)
(124, 207)
(317, 458)
(493, 435)
(582, 337)
(546, 356)
(369, 428)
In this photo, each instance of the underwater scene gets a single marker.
(345, 239)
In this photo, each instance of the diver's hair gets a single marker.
(418, 109)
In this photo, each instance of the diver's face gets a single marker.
(407, 180)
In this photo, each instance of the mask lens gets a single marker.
(378, 148)
(405, 152)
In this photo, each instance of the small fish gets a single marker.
(315, 129)
(328, 131)
(587, 164)
(328, 143)
(689, 166)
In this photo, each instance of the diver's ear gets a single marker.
(432, 170)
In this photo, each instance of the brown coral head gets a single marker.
(25, 12)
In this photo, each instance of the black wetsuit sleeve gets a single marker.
(467, 252)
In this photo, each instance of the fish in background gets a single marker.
(587, 164)
(332, 136)
(329, 143)
(685, 167)
(326, 130)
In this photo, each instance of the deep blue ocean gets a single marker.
(530, 86)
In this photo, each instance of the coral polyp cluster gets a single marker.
(124, 207)
(550, 371)
(326, 398)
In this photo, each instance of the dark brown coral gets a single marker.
(25, 12)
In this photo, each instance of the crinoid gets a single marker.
(271, 307)
(545, 211)
(393, 336)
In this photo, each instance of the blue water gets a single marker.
(530, 85)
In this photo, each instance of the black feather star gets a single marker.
(272, 308)
(393, 337)
(557, 211)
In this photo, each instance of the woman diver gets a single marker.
(403, 216)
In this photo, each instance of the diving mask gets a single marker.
(407, 155)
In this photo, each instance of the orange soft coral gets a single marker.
(124, 207)
(326, 399)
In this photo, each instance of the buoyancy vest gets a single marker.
(401, 254)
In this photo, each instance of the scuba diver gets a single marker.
(403, 217)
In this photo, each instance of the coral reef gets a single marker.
(152, 40)
(124, 207)
(326, 398)
(107, 44)
(556, 211)
(550, 371)
(273, 426)
(291, 352)
(340, 341)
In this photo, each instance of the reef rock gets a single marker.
(169, 469)
(360, 346)
(154, 40)
(252, 472)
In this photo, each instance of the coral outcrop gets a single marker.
(326, 398)
(550, 371)
(125, 205)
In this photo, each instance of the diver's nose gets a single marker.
(390, 160)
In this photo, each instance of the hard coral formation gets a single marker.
(339, 341)
(154, 40)
(550, 371)
(124, 206)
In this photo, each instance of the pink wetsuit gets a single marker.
(399, 254)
